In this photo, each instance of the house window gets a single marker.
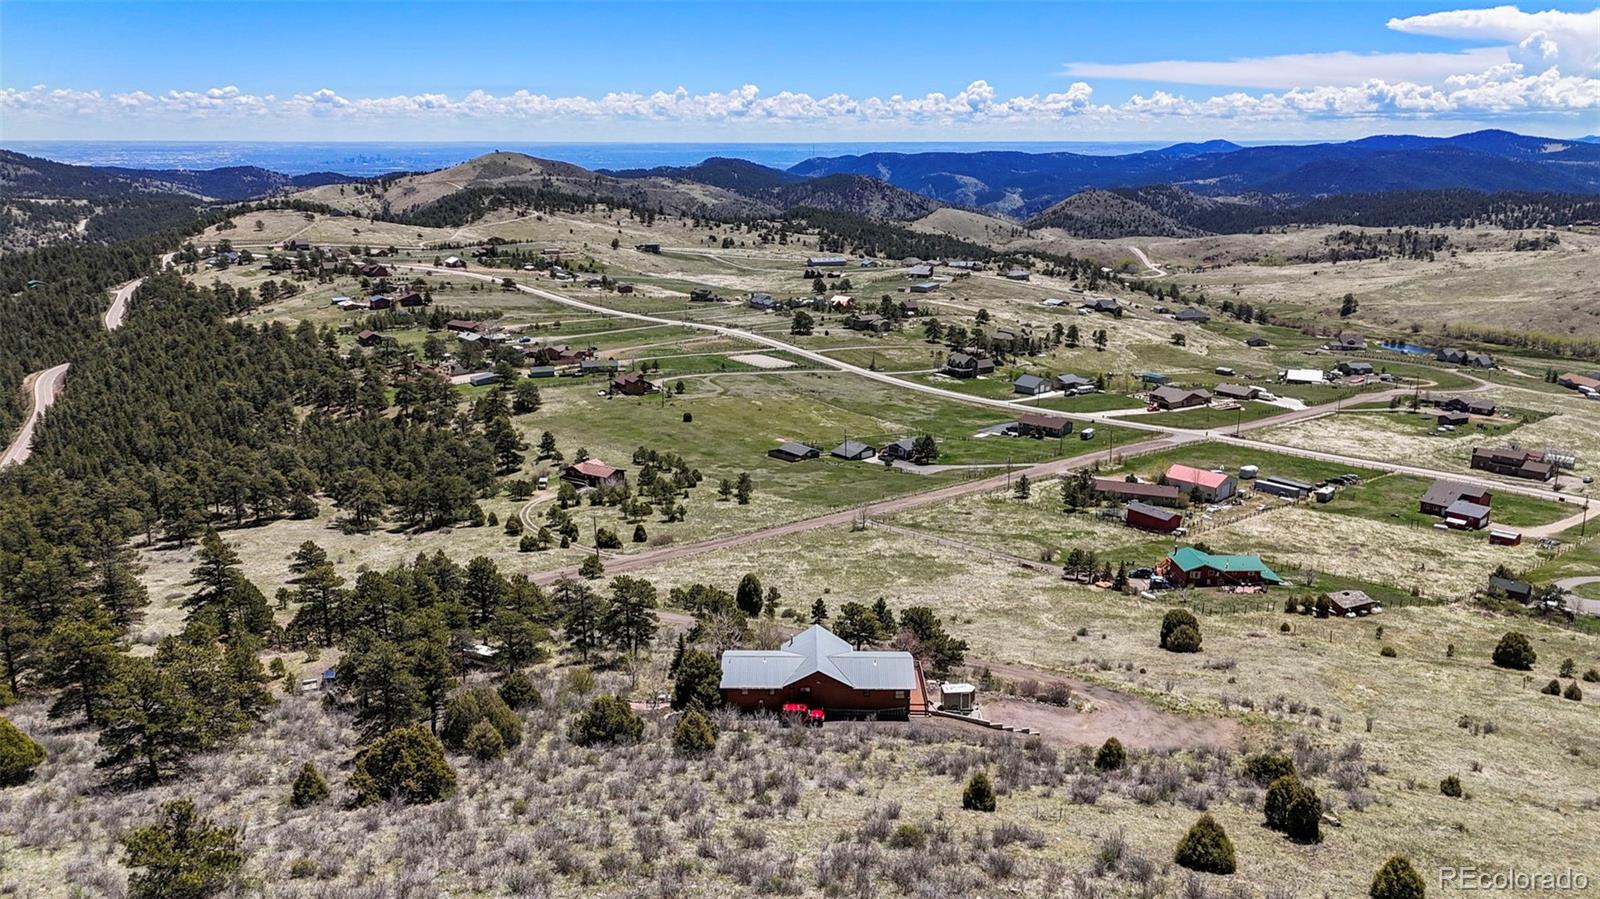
(899, 694)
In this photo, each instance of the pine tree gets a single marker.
(309, 787)
(979, 794)
(630, 622)
(1397, 879)
(1206, 848)
(182, 855)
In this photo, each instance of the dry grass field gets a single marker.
(874, 809)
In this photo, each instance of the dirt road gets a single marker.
(1153, 270)
(666, 554)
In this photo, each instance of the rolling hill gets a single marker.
(33, 177)
(1025, 184)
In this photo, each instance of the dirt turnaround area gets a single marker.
(1104, 713)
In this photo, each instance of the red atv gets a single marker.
(814, 718)
(794, 713)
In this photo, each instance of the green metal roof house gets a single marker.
(1189, 567)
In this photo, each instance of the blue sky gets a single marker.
(792, 71)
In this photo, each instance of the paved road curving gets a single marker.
(47, 384)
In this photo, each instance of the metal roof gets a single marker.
(816, 650)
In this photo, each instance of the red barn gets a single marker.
(818, 669)
(1151, 518)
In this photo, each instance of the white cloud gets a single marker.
(1506, 88)
(1539, 40)
(1338, 69)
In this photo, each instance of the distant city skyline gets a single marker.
(745, 72)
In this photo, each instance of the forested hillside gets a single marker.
(51, 301)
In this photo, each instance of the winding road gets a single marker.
(47, 384)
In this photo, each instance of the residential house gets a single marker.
(825, 261)
(369, 338)
(1465, 515)
(1017, 274)
(1455, 356)
(762, 301)
(542, 371)
(1212, 485)
(817, 669)
(1351, 368)
(1006, 340)
(899, 451)
(1236, 391)
(1469, 405)
(1102, 304)
(297, 246)
(924, 287)
(410, 299)
(632, 384)
(1030, 385)
(1513, 461)
(841, 302)
(794, 452)
(1146, 517)
(593, 473)
(454, 262)
(1179, 397)
(1069, 382)
(1453, 419)
(968, 365)
(1442, 493)
(1193, 315)
(1347, 344)
(922, 271)
(877, 324)
(1574, 381)
(1522, 591)
(1037, 424)
(379, 301)
(462, 325)
(374, 270)
(1190, 567)
(1126, 488)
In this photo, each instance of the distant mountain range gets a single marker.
(1023, 184)
(1180, 190)
(31, 176)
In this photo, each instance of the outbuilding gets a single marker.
(1030, 385)
(854, 450)
(794, 452)
(1212, 485)
(1350, 603)
(1151, 518)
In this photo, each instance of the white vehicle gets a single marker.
(1267, 397)
(1224, 370)
(1086, 434)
